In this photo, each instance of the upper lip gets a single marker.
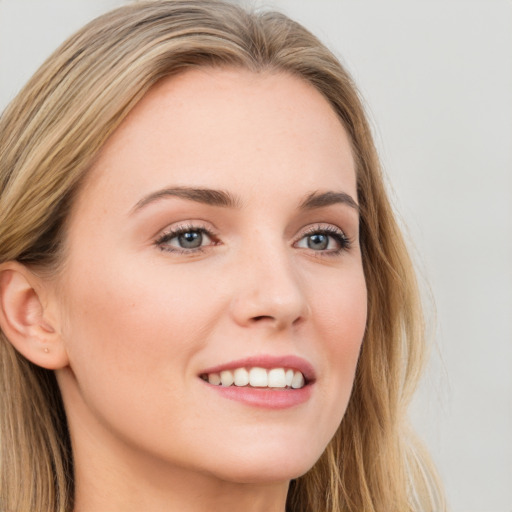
(268, 362)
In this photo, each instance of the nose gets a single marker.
(269, 291)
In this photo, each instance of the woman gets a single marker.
(205, 299)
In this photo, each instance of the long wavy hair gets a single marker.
(50, 135)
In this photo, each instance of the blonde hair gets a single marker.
(49, 137)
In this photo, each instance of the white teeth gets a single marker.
(256, 377)
(298, 380)
(241, 377)
(214, 378)
(226, 378)
(276, 378)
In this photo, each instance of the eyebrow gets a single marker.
(322, 199)
(225, 199)
(200, 195)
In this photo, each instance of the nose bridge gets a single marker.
(268, 287)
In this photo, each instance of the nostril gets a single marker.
(263, 317)
(274, 320)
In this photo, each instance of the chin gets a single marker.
(274, 471)
(266, 466)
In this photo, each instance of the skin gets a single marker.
(139, 320)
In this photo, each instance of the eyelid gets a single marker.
(331, 230)
(187, 225)
(175, 230)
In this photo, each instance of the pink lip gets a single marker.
(268, 362)
(265, 397)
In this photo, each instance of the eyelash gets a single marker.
(173, 233)
(343, 241)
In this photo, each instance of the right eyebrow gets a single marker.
(207, 196)
(319, 200)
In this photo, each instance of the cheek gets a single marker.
(104, 315)
(340, 321)
(340, 315)
(132, 333)
(127, 324)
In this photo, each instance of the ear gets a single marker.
(26, 319)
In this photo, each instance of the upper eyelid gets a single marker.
(161, 241)
(321, 227)
(346, 242)
(171, 233)
(205, 226)
(180, 227)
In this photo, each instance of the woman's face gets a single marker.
(217, 231)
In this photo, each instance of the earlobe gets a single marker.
(23, 317)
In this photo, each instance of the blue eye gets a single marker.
(188, 239)
(330, 239)
(318, 241)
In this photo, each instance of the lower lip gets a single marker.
(264, 397)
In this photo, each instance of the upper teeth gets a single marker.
(258, 378)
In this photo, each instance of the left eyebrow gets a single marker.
(322, 199)
(207, 196)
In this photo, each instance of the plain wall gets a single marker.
(437, 78)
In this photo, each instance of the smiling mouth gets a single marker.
(256, 377)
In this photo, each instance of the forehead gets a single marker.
(227, 128)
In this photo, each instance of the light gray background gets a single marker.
(437, 77)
